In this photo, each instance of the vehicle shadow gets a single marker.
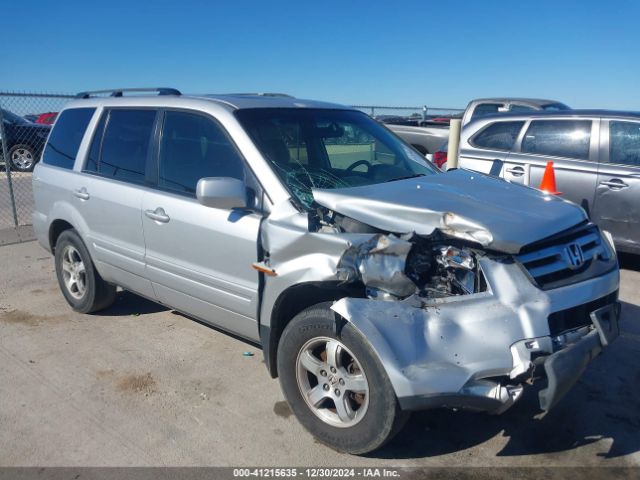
(629, 261)
(128, 303)
(604, 404)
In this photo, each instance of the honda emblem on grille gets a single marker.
(574, 256)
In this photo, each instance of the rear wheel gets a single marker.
(22, 158)
(81, 284)
(335, 384)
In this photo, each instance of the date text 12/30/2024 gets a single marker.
(315, 473)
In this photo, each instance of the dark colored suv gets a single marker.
(25, 141)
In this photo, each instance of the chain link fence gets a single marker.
(418, 114)
(25, 122)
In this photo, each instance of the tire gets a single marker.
(81, 284)
(370, 414)
(22, 158)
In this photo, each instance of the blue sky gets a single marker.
(438, 53)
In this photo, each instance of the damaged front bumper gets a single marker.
(564, 368)
(476, 351)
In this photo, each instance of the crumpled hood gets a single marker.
(498, 214)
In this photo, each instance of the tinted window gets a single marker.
(624, 143)
(486, 109)
(125, 145)
(521, 108)
(64, 141)
(498, 136)
(194, 147)
(10, 117)
(558, 138)
(554, 107)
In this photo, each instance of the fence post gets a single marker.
(7, 169)
(373, 112)
(424, 113)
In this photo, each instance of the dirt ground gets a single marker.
(142, 385)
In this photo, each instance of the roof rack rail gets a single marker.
(117, 92)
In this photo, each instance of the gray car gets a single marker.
(596, 155)
(430, 140)
(481, 107)
(375, 284)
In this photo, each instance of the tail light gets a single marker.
(440, 158)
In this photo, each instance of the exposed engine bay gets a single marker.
(393, 267)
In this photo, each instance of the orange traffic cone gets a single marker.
(548, 183)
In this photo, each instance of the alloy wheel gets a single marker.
(332, 382)
(73, 272)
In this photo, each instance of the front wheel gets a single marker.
(335, 384)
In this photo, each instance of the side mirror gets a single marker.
(221, 192)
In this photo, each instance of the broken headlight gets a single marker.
(392, 267)
(442, 271)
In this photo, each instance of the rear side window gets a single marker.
(194, 147)
(121, 152)
(486, 109)
(64, 141)
(521, 108)
(558, 138)
(624, 143)
(498, 136)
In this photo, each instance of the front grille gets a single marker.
(579, 316)
(557, 261)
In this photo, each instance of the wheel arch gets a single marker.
(290, 303)
(55, 230)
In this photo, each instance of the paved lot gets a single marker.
(141, 385)
(24, 199)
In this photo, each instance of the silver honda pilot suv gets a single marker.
(376, 284)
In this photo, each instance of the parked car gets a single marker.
(491, 106)
(46, 118)
(24, 140)
(424, 138)
(429, 137)
(375, 284)
(596, 156)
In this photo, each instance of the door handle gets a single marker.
(516, 171)
(82, 194)
(158, 215)
(614, 183)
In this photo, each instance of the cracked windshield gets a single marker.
(330, 149)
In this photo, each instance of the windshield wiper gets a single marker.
(405, 178)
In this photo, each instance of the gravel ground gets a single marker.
(142, 385)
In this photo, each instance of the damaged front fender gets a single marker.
(449, 351)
